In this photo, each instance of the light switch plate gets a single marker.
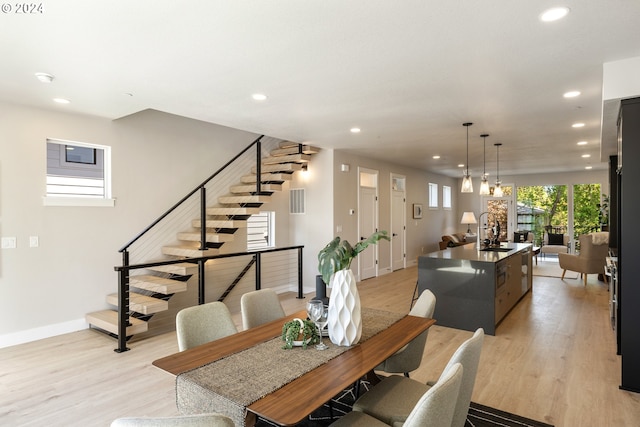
(34, 242)
(8, 242)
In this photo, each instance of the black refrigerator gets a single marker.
(628, 239)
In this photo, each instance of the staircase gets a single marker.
(150, 292)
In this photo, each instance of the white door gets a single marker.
(368, 222)
(398, 222)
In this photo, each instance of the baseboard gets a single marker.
(412, 262)
(35, 334)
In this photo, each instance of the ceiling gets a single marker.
(408, 74)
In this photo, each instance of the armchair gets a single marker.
(594, 248)
(451, 240)
(554, 244)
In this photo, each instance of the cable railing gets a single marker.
(148, 243)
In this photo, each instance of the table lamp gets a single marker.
(468, 218)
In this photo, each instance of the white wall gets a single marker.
(156, 159)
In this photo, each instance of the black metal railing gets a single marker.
(125, 270)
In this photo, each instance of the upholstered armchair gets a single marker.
(594, 248)
(554, 244)
(451, 240)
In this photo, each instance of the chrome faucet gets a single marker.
(479, 241)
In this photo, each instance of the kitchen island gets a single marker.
(476, 287)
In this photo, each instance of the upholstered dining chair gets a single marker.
(393, 399)
(203, 323)
(435, 408)
(409, 357)
(594, 248)
(203, 420)
(260, 307)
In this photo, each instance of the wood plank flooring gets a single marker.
(552, 359)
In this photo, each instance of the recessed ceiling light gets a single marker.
(586, 156)
(577, 125)
(461, 165)
(61, 100)
(582, 143)
(259, 96)
(45, 77)
(436, 157)
(554, 14)
(588, 167)
(355, 130)
(571, 94)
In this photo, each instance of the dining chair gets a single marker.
(202, 420)
(203, 323)
(393, 398)
(434, 408)
(409, 357)
(260, 307)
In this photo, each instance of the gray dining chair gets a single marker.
(394, 397)
(201, 324)
(434, 408)
(409, 357)
(260, 307)
(203, 420)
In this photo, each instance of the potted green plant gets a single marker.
(299, 333)
(334, 261)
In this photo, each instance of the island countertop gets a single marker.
(470, 252)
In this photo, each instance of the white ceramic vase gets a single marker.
(345, 318)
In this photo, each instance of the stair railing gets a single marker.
(125, 269)
(123, 272)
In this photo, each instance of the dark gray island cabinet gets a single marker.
(476, 288)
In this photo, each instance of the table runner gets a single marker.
(231, 384)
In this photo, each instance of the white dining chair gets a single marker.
(259, 307)
(203, 420)
(394, 397)
(203, 323)
(434, 408)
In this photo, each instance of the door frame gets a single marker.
(376, 223)
(404, 219)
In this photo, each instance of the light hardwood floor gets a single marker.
(552, 359)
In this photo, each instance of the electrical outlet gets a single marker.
(34, 242)
(9, 243)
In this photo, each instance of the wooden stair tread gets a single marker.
(181, 269)
(306, 149)
(108, 320)
(296, 158)
(194, 236)
(249, 198)
(279, 167)
(232, 211)
(266, 177)
(141, 303)
(157, 284)
(236, 189)
(189, 251)
(220, 223)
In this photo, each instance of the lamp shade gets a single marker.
(468, 218)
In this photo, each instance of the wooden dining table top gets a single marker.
(294, 401)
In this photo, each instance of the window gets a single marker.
(260, 231)
(78, 174)
(446, 197)
(433, 195)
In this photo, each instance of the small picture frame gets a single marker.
(417, 210)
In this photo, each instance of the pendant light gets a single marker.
(467, 185)
(497, 191)
(484, 185)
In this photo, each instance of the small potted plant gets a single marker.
(334, 262)
(299, 333)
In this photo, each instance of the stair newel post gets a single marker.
(123, 303)
(259, 167)
(300, 294)
(203, 218)
(201, 280)
(258, 271)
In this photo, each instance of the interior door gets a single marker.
(501, 211)
(368, 222)
(398, 222)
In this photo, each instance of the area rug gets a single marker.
(479, 415)
(551, 268)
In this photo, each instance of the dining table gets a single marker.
(250, 374)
